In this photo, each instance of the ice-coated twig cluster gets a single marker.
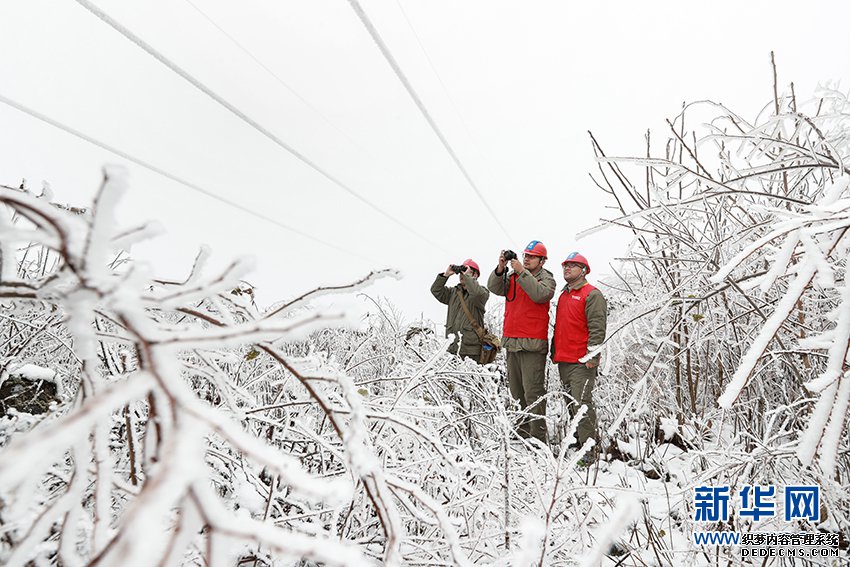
(731, 308)
(188, 427)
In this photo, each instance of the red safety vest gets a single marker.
(571, 325)
(524, 319)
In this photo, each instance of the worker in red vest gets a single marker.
(580, 322)
(527, 291)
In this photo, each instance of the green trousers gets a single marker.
(527, 382)
(578, 381)
(473, 357)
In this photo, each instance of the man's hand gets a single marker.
(500, 269)
(592, 363)
(517, 266)
(449, 272)
(501, 266)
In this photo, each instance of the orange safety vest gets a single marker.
(571, 325)
(524, 319)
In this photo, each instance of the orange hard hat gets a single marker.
(536, 248)
(576, 258)
(471, 263)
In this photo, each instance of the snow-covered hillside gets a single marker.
(151, 422)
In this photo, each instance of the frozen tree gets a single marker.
(177, 423)
(732, 305)
(132, 446)
(188, 427)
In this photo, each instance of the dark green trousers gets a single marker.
(578, 381)
(473, 357)
(527, 382)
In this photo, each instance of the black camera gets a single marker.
(509, 255)
(458, 269)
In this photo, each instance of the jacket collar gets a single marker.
(578, 284)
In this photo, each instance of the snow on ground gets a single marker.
(33, 372)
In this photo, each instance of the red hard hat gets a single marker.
(577, 258)
(470, 263)
(536, 248)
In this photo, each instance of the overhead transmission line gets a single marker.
(114, 24)
(433, 68)
(56, 124)
(275, 76)
(376, 37)
(291, 90)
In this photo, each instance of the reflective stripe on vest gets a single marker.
(525, 319)
(571, 325)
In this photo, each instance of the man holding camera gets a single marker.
(527, 291)
(474, 295)
(580, 326)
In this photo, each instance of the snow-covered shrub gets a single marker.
(193, 428)
(731, 313)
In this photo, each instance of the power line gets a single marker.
(245, 118)
(276, 77)
(47, 120)
(434, 69)
(421, 106)
(295, 93)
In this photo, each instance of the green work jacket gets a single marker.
(457, 322)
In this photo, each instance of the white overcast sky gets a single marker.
(524, 82)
